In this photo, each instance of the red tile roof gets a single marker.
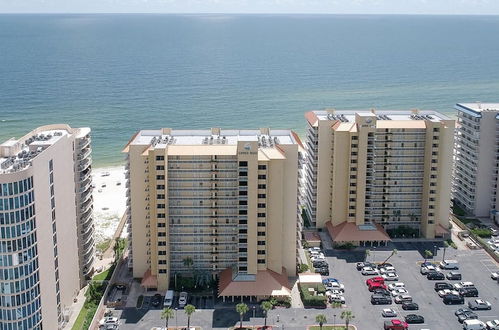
(311, 118)
(267, 283)
(350, 232)
(149, 280)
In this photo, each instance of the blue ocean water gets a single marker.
(121, 73)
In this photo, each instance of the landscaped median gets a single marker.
(331, 327)
(313, 295)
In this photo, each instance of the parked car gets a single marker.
(460, 285)
(388, 312)
(398, 292)
(473, 325)
(378, 299)
(320, 263)
(377, 279)
(446, 292)
(479, 304)
(426, 269)
(443, 285)
(454, 276)
(410, 306)
(435, 276)
(182, 299)
(468, 292)
(369, 271)
(494, 275)
(336, 298)
(324, 271)
(361, 265)
(453, 300)
(414, 318)
(492, 325)
(381, 291)
(335, 286)
(395, 325)
(377, 285)
(328, 280)
(467, 316)
(449, 264)
(387, 269)
(383, 265)
(403, 298)
(460, 311)
(110, 320)
(390, 277)
(156, 300)
(396, 285)
(426, 264)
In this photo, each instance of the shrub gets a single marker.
(303, 268)
(482, 232)
(345, 246)
(313, 301)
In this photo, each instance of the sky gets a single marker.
(431, 7)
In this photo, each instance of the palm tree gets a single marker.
(321, 319)
(189, 310)
(167, 314)
(188, 262)
(242, 309)
(336, 304)
(427, 254)
(348, 316)
(446, 245)
(394, 252)
(266, 306)
(368, 253)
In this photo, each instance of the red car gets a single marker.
(396, 325)
(376, 279)
(377, 285)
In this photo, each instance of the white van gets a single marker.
(169, 298)
(473, 325)
(449, 264)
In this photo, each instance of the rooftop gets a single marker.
(348, 116)
(162, 138)
(16, 155)
(478, 107)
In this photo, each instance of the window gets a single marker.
(262, 186)
(243, 163)
(261, 261)
(261, 243)
(51, 165)
(351, 214)
(243, 250)
(162, 253)
(262, 167)
(160, 177)
(161, 215)
(160, 196)
(243, 183)
(162, 271)
(261, 251)
(243, 193)
(262, 177)
(162, 262)
(160, 186)
(243, 202)
(160, 157)
(243, 173)
(261, 224)
(161, 234)
(160, 167)
(160, 206)
(161, 225)
(261, 205)
(261, 215)
(243, 212)
(436, 129)
(243, 231)
(261, 233)
(161, 243)
(262, 195)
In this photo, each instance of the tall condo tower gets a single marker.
(224, 199)
(46, 226)
(476, 159)
(369, 171)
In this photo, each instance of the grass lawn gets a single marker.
(84, 314)
(104, 245)
(105, 275)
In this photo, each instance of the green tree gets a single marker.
(94, 291)
(303, 268)
(167, 314)
(427, 254)
(336, 304)
(347, 316)
(368, 253)
(321, 319)
(242, 309)
(266, 306)
(189, 310)
(394, 252)
(446, 245)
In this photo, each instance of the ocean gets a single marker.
(122, 73)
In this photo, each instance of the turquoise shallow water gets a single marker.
(121, 73)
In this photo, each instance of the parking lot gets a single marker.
(475, 266)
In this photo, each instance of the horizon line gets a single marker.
(242, 13)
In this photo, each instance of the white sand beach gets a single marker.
(109, 200)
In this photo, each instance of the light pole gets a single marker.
(435, 251)
(254, 310)
(374, 254)
(334, 320)
(176, 320)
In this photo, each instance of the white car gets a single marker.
(403, 298)
(369, 271)
(390, 277)
(334, 292)
(336, 298)
(494, 276)
(427, 269)
(182, 299)
(388, 312)
(110, 320)
(318, 257)
(396, 285)
(318, 249)
(336, 286)
(445, 292)
(492, 325)
(398, 292)
(461, 285)
(389, 269)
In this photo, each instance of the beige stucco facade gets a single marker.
(221, 198)
(387, 167)
(39, 189)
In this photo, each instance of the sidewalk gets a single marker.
(75, 308)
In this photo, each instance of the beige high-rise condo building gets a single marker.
(46, 229)
(477, 159)
(224, 199)
(371, 171)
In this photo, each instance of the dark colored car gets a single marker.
(361, 265)
(469, 315)
(414, 318)
(452, 299)
(443, 286)
(386, 264)
(323, 271)
(156, 300)
(381, 291)
(461, 311)
(320, 264)
(379, 299)
(468, 292)
(454, 275)
(410, 306)
(435, 276)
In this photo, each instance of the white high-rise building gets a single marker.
(477, 159)
(46, 226)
